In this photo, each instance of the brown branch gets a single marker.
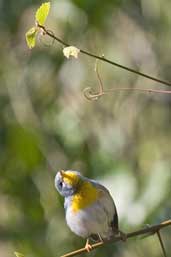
(149, 230)
(161, 243)
(102, 58)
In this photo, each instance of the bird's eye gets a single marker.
(60, 184)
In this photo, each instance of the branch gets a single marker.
(102, 58)
(161, 243)
(149, 230)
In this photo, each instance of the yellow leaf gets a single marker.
(31, 37)
(71, 51)
(17, 254)
(42, 13)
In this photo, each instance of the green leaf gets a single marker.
(42, 13)
(17, 254)
(31, 37)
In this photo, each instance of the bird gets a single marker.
(90, 210)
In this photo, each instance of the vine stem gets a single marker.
(148, 230)
(90, 95)
(102, 58)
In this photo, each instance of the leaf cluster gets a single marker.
(40, 19)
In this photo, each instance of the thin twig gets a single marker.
(90, 95)
(101, 90)
(152, 229)
(161, 243)
(102, 58)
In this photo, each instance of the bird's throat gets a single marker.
(85, 196)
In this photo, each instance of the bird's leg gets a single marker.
(88, 246)
(100, 238)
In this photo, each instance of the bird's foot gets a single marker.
(88, 246)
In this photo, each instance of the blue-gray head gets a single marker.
(67, 182)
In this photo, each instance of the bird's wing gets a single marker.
(108, 204)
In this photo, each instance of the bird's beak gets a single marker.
(62, 172)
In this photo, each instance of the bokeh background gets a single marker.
(46, 124)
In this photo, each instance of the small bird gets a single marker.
(89, 207)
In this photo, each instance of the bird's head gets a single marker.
(67, 182)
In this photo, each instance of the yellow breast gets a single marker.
(86, 196)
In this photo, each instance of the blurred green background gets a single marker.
(123, 139)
